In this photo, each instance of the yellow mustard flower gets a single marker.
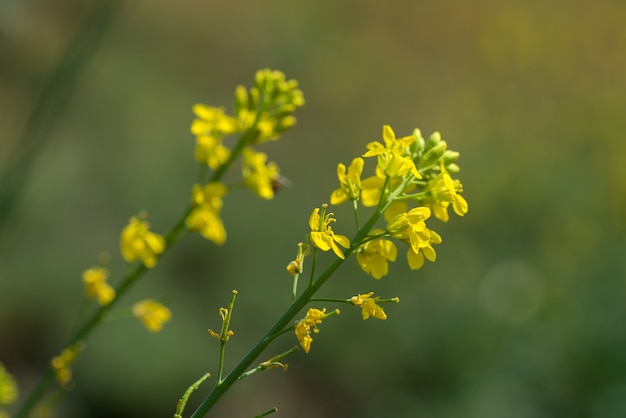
(372, 190)
(61, 364)
(323, 236)
(310, 322)
(374, 255)
(212, 121)
(416, 258)
(368, 306)
(152, 314)
(393, 157)
(258, 175)
(205, 215)
(138, 243)
(411, 228)
(443, 191)
(8, 387)
(349, 181)
(96, 285)
(210, 151)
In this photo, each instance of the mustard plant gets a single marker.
(410, 182)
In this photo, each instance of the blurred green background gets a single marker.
(521, 316)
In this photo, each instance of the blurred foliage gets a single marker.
(521, 314)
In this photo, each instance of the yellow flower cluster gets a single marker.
(205, 215)
(96, 286)
(409, 169)
(262, 113)
(138, 243)
(62, 363)
(152, 314)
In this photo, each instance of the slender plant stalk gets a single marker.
(289, 315)
(51, 103)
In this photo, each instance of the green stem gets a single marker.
(182, 402)
(266, 413)
(313, 263)
(355, 206)
(239, 147)
(295, 286)
(334, 300)
(271, 363)
(289, 315)
(224, 335)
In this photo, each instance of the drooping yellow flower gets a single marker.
(374, 255)
(138, 243)
(443, 191)
(350, 182)
(152, 314)
(303, 334)
(323, 236)
(96, 285)
(258, 175)
(205, 215)
(62, 363)
(393, 158)
(310, 322)
(411, 228)
(416, 258)
(368, 306)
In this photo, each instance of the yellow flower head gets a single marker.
(394, 157)
(205, 216)
(210, 151)
(152, 314)
(138, 243)
(443, 191)
(411, 228)
(258, 175)
(368, 306)
(349, 181)
(416, 258)
(269, 105)
(374, 255)
(96, 285)
(212, 121)
(322, 235)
